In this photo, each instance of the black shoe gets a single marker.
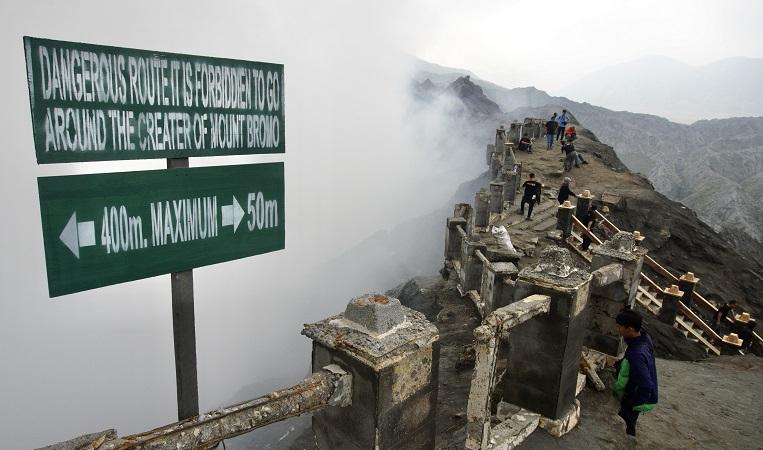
(585, 162)
(528, 218)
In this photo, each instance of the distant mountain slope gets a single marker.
(727, 88)
(711, 166)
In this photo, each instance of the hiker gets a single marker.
(599, 224)
(531, 195)
(745, 334)
(588, 220)
(720, 315)
(565, 191)
(550, 132)
(525, 144)
(570, 134)
(569, 149)
(636, 385)
(561, 124)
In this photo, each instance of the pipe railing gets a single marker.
(330, 386)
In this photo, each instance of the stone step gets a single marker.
(544, 215)
(546, 224)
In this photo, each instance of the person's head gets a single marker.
(605, 210)
(628, 323)
(554, 115)
(564, 111)
(532, 175)
(732, 303)
(567, 180)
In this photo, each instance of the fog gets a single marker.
(356, 162)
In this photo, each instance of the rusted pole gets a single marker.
(331, 386)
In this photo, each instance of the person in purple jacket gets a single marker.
(636, 384)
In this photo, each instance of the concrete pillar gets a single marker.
(453, 237)
(564, 218)
(669, 309)
(489, 153)
(495, 165)
(509, 159)
(394, 376)
(609, 300)
(471, 278)
(515, 132)
(584, 204)
(544, 353)
(495, 204)
(687, 283)
(500, 138)
(493, 287)
(481, 211)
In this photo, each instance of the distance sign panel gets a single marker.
(110, 228)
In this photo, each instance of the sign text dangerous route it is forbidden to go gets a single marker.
(110, 228)
(95, 103)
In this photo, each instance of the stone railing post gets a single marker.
(453, 237)
(564, 218)
(687, 283)
(607, 301)
(394, 375)
(489, 153)
(481, 210)
(509, 159)
(583, 205)
(472, 264)
(669, 309)
(493, 288)
(495, 204)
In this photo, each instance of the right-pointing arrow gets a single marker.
(232, 214)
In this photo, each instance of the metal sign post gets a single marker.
(184, 332)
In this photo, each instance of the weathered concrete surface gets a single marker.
(544, 353)
(80, 442)
(377, 351)
(513, 430)
(563, 425)
(375, 313)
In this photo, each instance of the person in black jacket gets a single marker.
(551, 131)
(565, 191)
(588, 221)
(636, 385)
(531, 195)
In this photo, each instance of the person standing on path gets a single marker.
(561, 124)
(550, 132)
(565, 191)
(531, 195)
(636, 385)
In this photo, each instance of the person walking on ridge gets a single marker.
(562, 123)
(636, 385)
(550, 132)
(565, 191)
(572, 156)
(530, 196)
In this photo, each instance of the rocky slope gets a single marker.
(713, 167)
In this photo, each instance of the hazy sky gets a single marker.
(551, 43)
(355, 164)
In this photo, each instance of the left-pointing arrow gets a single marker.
(77, 234)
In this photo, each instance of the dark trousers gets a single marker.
(560, 133)
(530, 202)
(629, 416)
(586, 242)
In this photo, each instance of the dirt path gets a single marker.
(712, 404)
